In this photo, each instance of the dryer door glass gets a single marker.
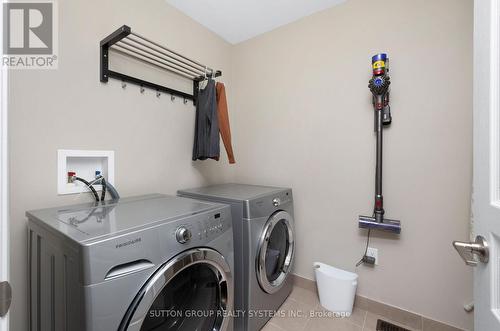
(191, 292)
(275, 252)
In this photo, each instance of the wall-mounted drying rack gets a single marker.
(133, 45)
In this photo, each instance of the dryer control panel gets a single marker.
(265, 205)
(281, 199)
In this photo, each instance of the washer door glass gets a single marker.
(191, 292)
(275, 252)
(190, 301)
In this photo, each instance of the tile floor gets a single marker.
(302, 311)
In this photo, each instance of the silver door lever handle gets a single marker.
(473, 252)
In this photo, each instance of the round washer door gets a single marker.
(276, 251)
(193, 291)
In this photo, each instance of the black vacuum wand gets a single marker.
(379, 86)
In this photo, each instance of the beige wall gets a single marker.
(70, 108)
(303, 119)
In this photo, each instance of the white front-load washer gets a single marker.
(146, 263)
(264, 246)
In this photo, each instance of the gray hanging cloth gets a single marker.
(206, 130)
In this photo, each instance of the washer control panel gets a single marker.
(211, 227)
(183, 235)
(205, 229)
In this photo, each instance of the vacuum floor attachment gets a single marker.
(366, 222)
(379, 86)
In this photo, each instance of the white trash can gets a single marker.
(336, 288)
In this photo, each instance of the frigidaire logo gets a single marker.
(29, 35)
(128, 243)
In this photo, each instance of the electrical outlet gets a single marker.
(373, 252)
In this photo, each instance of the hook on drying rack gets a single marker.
(158, 93)
(142, 89)
(185, 101)
(124, 85)
(172, 98)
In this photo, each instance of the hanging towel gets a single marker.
(206, 132)
(223, 116)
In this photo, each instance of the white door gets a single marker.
(4, 229)
(486, 192)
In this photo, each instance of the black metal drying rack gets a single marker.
(133, 45)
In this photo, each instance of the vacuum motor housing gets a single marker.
(379, 85)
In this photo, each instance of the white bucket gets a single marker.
(336, 288)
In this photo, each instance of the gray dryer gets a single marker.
(264, 247)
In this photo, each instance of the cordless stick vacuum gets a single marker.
(379, 86)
